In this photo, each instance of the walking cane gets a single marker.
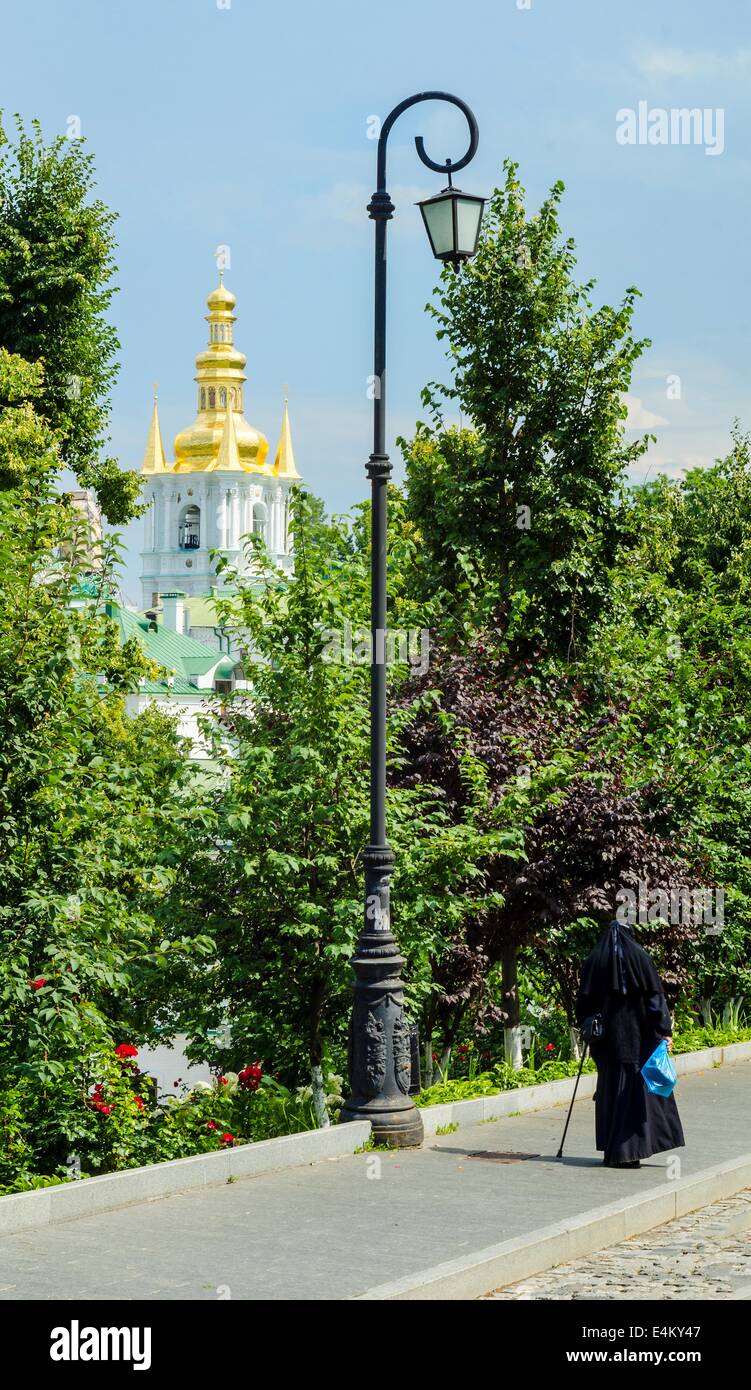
(573, 1098)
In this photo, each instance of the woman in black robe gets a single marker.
(619, 983)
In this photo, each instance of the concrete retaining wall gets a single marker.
(22, 1210)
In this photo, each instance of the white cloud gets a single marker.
(679, 62)
(639, 418)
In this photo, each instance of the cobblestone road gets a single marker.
(705, 1255)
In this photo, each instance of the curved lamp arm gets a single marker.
(448, 167)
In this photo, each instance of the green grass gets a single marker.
(694, 1039)
(502, 1078)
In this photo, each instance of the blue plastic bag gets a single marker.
(658, 1071)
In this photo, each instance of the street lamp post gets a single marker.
(379, 1043)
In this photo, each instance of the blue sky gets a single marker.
(245, 124)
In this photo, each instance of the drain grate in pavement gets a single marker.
(490, 1155)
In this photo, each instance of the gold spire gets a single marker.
(284, 463)
(220, 378)
(228, 458)
(153, 459)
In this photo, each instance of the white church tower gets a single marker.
(220, 487)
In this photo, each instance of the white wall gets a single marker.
(225, 501)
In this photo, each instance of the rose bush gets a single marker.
(117, 1120)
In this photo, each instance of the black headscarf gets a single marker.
(620, 982)
(617, 965)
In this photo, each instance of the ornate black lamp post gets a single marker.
(380, 1061)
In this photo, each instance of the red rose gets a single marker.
(228, 1139)
(211, 1124)
(222, 1081)
(550, 1047)
(249, 1078)
(137, 1101)
(38, 983)
(103, 1109)
(126, 1050)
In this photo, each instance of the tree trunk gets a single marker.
(319, 1097)
(428, 1063)
(705, 1006)
(512, 1043)
(512, 1032)
(316, 1057)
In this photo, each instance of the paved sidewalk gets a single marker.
(706, 1255)
(338, 1228)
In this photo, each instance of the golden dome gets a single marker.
(220, 378)
(221, 297)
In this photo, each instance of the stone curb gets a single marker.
(23, 1211)
(499, 1265)
(471, 1112)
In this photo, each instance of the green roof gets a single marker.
(172, 650)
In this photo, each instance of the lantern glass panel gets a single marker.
(440, 224)
(468, 215)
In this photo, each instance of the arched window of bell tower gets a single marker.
(259, 519)
(189, 528)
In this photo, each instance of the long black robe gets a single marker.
(620, 982)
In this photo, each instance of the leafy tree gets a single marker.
(279, 884)
(555, 593)
(522, 506)
(675, 659)
(56, 269)
(583, 835)
(91, 805)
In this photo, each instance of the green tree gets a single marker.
(91, 808)
(674, 660)
(279, 884)
(522, 507)
(521, 533)
(56, 272)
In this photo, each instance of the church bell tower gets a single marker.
(221, 486)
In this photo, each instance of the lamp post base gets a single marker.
(398, 1126)
(380, 1042)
